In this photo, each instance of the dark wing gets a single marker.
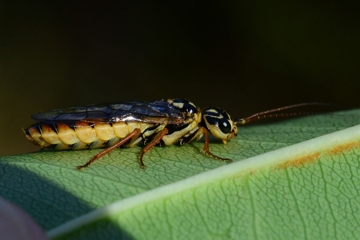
(151, 112)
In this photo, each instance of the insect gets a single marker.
(128, 123)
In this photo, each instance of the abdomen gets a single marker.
(84, 135)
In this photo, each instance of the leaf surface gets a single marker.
(280, 186)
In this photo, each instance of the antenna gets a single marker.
(276, 113)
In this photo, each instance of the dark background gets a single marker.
(244, 56)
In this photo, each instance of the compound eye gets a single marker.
(225, 126)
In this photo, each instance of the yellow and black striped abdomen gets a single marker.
(84, 135)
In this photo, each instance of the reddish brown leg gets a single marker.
(155, 141)
(206, 148)
(109, 149)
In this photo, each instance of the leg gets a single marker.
(136, 132)
(195, 134)
(206, 147)
(155, 141)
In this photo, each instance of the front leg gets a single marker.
(197, 134)
(206, 147)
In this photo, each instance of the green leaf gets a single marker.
(280, 186)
